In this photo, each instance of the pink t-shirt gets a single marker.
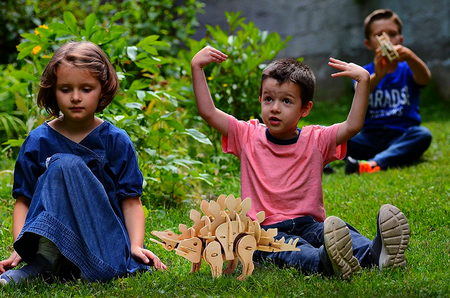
(284, 181)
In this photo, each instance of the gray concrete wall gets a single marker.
(324, 28)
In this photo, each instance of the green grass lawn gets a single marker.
(421, 191)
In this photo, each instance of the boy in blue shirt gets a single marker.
(392, 135)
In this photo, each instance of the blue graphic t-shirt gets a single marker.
(395, 101)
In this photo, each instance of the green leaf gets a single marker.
(71, 22)
(176, 125)
(138, 85)
(14, 143)
(118, 16)
(99, 36)
(148, 64)
(31, 37)
(89, 24)
(59, 29)
(131, 53)
(141, 95)
(17, 87)
(148, 40)
(21, 74)
(134, 105)
(25, 52)
(198, 136)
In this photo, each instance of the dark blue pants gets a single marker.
(388, 147)
(310, 235)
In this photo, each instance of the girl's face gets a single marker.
(281, 108)
(77, 93)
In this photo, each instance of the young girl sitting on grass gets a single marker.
(77, 183)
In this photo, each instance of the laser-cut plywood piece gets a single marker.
(387, 47)
(223, 233)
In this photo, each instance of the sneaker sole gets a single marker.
(395, 231)
(338, 245)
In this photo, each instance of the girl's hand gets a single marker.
(351, 70)
(145, 256)
(206, 56)
(13, 260)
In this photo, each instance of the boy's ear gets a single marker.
(367, 44)
(260, 99)
(306, 109)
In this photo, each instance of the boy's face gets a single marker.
(380, 26)
(281, 108)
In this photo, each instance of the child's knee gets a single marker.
(64, 161)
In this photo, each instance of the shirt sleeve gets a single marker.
(125, 168)
(27, 169)
(325, 138)
(239, 134)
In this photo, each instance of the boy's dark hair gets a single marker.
(381, 14)
(84, 55)
(291, 70)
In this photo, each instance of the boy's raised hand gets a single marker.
(207, 55)
(355, 120)
(205, 105)
(351, 70)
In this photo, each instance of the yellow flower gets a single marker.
(225, 85)
(36, 49)
(40, 26)
(46, 56)
(210, 78)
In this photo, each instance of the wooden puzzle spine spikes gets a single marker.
(386, 46)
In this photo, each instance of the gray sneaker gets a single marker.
(389, 245)
(338, 246)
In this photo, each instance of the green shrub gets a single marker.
(145, 106)
(234, 84)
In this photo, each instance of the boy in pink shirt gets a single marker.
(281, 168)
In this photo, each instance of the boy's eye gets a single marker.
(269, 99)
(287, 100)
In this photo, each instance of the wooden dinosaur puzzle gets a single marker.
(387, 47)
(224, 233)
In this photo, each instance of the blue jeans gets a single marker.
(70, 207)
(388, 147)
(310, 241)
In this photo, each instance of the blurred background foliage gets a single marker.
(149, 44)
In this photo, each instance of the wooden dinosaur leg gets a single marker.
(213, 255)
(231, 266)
(245, 248)
(195, 267)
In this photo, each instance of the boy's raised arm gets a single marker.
(205, 105)
(355, 120)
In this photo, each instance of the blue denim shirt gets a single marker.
(107, 151)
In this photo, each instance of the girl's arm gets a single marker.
(355, 120)
(205, 105)
(19, 214)
(135, 224)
